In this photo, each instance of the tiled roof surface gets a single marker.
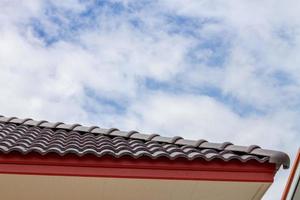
(27, 135)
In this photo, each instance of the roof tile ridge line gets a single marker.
(158, 138)
(10, 119)
(90, 130)
(111, 130)
(26, 120)
(225, 144)
(277, 157)
(60, 125)
(39, 123)
(251, 148)
(175, 139)
(73, 126)
(200, 142)
(152, 136)
(46, 124)
(131, 133)
(55, 125)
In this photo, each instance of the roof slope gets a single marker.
(27, 135)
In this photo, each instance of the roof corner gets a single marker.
(280, 158)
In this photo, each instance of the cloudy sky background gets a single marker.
(218, 70)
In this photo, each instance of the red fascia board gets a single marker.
(144, 167)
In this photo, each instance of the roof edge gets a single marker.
(281, 157)
(128, 167)
(277, 157)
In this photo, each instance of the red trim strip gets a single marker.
(127, 167)
(291, 176)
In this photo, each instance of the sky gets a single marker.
(212, 69)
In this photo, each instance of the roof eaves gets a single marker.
(276, 157)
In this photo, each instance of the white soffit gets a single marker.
(16, 187)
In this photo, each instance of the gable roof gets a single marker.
(43, 137)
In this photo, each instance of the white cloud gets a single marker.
(197, 117)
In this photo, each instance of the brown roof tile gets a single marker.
(27, 135)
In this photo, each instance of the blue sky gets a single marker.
(222, 71)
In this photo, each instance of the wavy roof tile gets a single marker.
(27, 135)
